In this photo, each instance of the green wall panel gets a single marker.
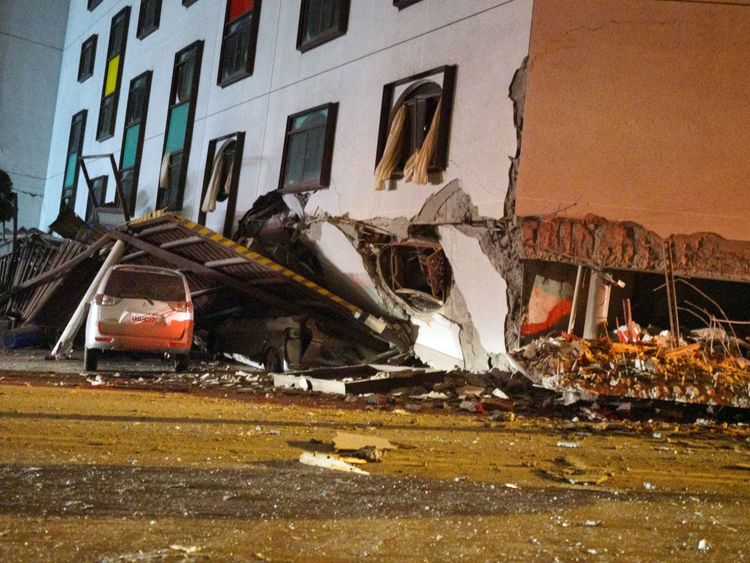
(178, 116)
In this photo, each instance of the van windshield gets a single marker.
(145, 285)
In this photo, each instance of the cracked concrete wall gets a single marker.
(630, 246)
(633, 114)
(479, 318)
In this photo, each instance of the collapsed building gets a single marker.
(453, 168)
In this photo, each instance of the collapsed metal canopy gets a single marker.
(215, 265)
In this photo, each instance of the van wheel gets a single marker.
(181, 362)
(272, 361)
(90, 359)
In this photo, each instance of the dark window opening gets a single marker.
(99, 188)
(414, 129)
(227, 168)
(88, 57)
(179, 129)
(188, 3)
(548, 290)
(417, 272)
(124, 283)
(420, 106)
(401, 4)
(75, 146)
(107, 116)
(118, 36)
(148, 17)
(92, 4)
(321, 21)
(308, 149)
(133, 136)
(221, 179)
(239, 41)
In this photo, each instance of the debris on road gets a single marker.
(329, 461)
(575, 471)
(704, 372)
(357, 379)
(368, 448)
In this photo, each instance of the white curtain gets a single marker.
(214, 184)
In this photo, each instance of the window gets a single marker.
(308, 149)
(92, 4)
(221, 179)
(240, 37)
(132, 138)
(415, 127)
(75, 146)
(148, 17)
(401, 4)
(118, 36)
(320, 21)
(188, 3)
(179, 129)
(99, 189)
(88, 56)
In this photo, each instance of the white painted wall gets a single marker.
(31, 43)
(487, 39)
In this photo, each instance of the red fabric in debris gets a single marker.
(560, 310)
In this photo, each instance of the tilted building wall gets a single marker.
(486, 40)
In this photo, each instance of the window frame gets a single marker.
(90, 205)
(162, 193)
(387, 108)
(401, 4)
(251, 47)
(83, 114)
(329, 34)
(143, 31)
(143, 119)
(326, 165)
(113, 51)
(239, 139)
(88, 46)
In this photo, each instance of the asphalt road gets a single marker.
(90, 472)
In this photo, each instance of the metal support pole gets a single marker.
(65, 343)
(574, 308)
(597, 306)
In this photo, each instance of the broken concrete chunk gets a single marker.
(344, 441)
(329, 461)
(499, 394)
(370, 453)
(469, 391)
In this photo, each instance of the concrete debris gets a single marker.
(329, 461)
(575, 471)
(499, 394)
(344, 441)
(563, 444)
(355, 379)
(698, 373)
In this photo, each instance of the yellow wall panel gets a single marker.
(112, 69)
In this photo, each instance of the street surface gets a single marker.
(89, 472)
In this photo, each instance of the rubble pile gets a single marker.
(703, 372)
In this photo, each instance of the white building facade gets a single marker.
(163, 85)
